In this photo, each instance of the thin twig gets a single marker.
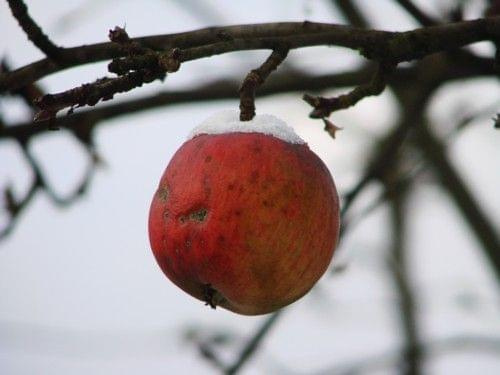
(323, 107)
(33, 31)
(256, 78)
(253, 344)
(15, 207)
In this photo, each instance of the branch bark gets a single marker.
(373, 44)
(256, 78)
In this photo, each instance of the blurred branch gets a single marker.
(373, 44)
(256, 78)
(253, 343)
(351, 12)
(16, 206)
(423, 18)
(454, 185)
(33, 31)
(383, 361)
(411, 359)
(28, 93)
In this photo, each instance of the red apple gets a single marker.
(244, 220)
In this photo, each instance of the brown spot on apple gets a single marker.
(163, 193)
(198, 215)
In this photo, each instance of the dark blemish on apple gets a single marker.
(221, 238)
(237, 212)
(265, 203)
(208, 159)
(166, 214)
(230, 187)
(197, 216)
(163, 193)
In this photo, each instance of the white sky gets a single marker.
(81, 292)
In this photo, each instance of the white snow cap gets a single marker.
(229, 122)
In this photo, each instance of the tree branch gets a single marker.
(33, 31)
(373, 44)
(216, 90)
(256, 78)
(91, 93)
(15, 207)
(253, 343)
(28, 93)
(323, 107)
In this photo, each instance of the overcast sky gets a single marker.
(80, 290)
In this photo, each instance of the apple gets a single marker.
(246, 216)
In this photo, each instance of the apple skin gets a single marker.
(245, 221)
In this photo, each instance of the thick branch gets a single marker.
(33, 31)
(378, 45)
(256, 78)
